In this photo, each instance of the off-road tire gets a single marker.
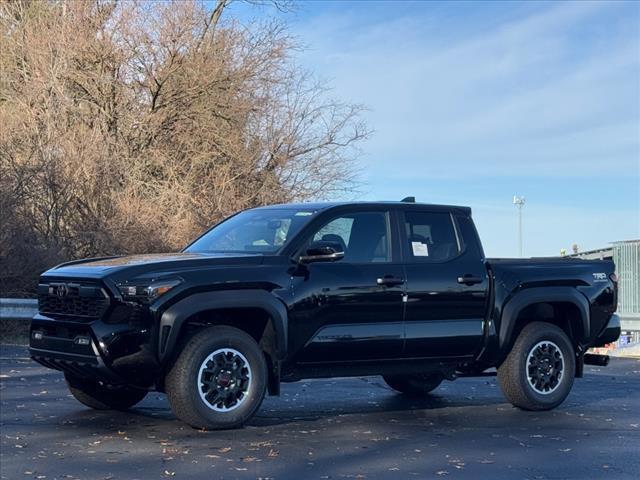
(513, 374)
(101, 397)
(183, 381)
(415, 385)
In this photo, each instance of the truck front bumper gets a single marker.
(107, 353)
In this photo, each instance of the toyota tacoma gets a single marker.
(285, 292)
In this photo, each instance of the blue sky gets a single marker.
(471, 103)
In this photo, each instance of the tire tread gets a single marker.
(102, 398)
(510, 373)
(178, 382)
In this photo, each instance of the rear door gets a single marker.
(447, 286)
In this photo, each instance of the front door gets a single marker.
(350, 309)
(444, 314)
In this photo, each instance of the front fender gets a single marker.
(527, 297)
(174, 317)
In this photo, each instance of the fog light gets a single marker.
(82, 341)
(37, 335)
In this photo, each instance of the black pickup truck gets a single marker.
(280, 293)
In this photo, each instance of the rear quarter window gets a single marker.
(468, 236)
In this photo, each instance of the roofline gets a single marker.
(328, 205)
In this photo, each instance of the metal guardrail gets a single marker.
(18, 308)
(25, 309)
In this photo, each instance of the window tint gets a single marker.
(469, 236)
(263, 230)
(430, 236)
(364, 236)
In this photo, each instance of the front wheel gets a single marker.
(219, 379)
(538, 373)
(414, 384)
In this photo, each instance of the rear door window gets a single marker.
(430, 237)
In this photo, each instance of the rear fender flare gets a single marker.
(172, 319)
(530, 296)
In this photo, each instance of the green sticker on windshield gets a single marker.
(303, 214)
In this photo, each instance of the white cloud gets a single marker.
(540, 95)
(542, 99)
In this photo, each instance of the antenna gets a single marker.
(409, 199)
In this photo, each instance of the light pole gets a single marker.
(519, 202)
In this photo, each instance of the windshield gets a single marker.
(263, 230)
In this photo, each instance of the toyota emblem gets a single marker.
(62, 290)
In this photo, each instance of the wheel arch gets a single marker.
(225, 306)
(563, 306)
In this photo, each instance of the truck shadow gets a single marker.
(316, 401)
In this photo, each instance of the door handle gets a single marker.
(389, 281)
(468, 279)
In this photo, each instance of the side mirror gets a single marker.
(322, 251)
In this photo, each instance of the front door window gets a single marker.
(364, 236)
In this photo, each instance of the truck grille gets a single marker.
(81, 302)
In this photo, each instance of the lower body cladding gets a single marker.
(112, 354)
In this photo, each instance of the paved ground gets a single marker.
(333, 429)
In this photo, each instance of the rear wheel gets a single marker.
(102, 397)
(218, 380)
(415, 384)
(538, 373)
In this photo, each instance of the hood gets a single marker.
(137, 264)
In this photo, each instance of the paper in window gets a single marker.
(420, 249)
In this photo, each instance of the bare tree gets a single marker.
(132, 126)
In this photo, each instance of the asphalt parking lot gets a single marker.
(326, 429)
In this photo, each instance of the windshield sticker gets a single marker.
(420, 249)
(303, 214)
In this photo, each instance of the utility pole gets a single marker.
(519, 202)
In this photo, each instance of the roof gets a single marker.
(327, 205)
(620, 242)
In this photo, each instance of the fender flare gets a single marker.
(174, 317)
(530, 296)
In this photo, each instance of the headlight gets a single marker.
(147, 292)
(160, 288)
